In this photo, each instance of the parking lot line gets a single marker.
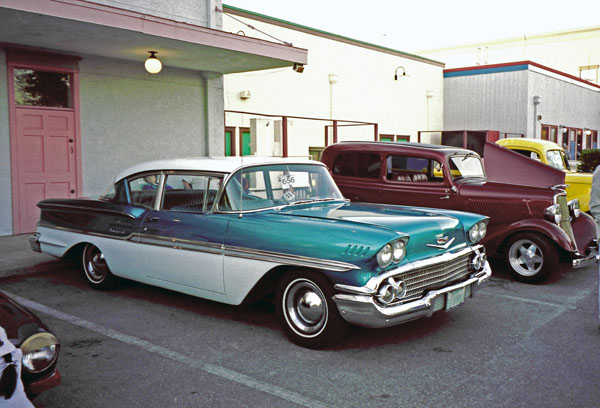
(527, 300)
(213, 369)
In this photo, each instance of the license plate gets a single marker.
(455, 298)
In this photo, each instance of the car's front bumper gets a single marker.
(362, 310)
(39, 385)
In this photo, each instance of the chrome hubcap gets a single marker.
(525, 257)
(95, 264)
(305, 308)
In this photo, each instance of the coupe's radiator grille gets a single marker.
(565, 223)
(433, 277)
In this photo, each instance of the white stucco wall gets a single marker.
(5, 174)
(365, 90)
(128, 116)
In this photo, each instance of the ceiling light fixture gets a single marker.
(153, 64)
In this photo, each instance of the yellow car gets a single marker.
(579, 184)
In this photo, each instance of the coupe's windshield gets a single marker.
(260, 187)
(466, 166)
(556, 159)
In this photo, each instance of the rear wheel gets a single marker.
(95, 269)
(306, 311)
(530, 257)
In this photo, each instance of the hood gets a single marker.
(423, 225)
(505, 166)
(572, 177)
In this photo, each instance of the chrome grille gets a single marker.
(433, 277)
(565, 222)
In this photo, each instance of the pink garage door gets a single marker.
(46, 165)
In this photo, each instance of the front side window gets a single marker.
(357, 164)
(42, 88)
(260, 187)
(410, 168)
(466, 166)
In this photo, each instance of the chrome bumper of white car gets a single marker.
(362, 310)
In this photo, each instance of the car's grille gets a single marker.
(565, 222)
(434, 277)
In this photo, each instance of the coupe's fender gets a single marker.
(494, 240)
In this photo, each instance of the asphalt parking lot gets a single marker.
(512, 345)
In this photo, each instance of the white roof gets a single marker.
(212, 164)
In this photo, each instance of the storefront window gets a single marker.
(42, 88)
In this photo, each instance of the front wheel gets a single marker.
(530, 257)
(306, 311)
(95, 269)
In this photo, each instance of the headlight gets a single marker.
(477, 232)
(384, 256)
(39, 352)
(553, 213)
(482, 229)
(574, 208)
(398, 250)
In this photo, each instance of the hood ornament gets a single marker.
(443, 242)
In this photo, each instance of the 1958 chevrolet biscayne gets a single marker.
(233, 232)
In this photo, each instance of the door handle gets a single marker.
(152, 219)
(446, 197)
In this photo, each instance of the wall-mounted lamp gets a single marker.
(396, 72)
(562, 129)
(587, 131)
(537, 100)
(299, 68)
(153, 64)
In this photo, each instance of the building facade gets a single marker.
(77, 105)
(370, 92)
(524, 99)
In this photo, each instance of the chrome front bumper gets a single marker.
(34, 242)
(584, 260)
(362, 310)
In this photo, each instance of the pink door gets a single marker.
(46, 162)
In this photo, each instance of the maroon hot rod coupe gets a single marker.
(533, 228)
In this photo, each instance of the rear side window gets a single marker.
(190, 192)
(357, 164)
(413, 169)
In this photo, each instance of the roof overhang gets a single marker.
(79, 27)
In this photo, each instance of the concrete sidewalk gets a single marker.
(17, 257)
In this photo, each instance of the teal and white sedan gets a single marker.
(235, 231)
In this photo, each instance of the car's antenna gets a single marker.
(241, 184)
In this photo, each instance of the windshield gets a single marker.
(556, 159)
(256, 188)
(466, 166)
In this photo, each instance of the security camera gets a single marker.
(299, 68)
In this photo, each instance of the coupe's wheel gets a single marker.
(306, 311)
(530, 257)
(95, 268)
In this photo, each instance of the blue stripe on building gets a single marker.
(482, 71)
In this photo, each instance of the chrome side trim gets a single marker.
(76, 231)
(235, 252)
(297, 260)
